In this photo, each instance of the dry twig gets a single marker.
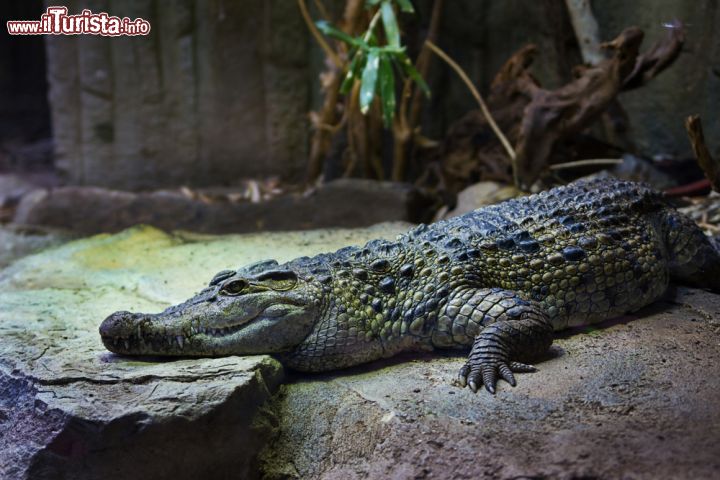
(586, 163)
(463, 76)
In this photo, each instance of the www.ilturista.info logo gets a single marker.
(56, 21)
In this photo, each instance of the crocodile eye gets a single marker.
(234, 288)
(279, 280)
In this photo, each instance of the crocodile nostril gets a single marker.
(114, 325)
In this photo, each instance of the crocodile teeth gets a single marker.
(179, 339)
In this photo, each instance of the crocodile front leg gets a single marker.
(509, 328)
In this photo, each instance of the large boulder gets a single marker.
(71, 410)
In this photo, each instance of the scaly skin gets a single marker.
(498, 280)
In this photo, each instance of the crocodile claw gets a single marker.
(486, 371)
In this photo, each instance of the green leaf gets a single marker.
(392, 32)
(369, 80)
(331, 31)
(356, 66)
(387, 90)
(406, 6)
(372, 3)
(412, 72)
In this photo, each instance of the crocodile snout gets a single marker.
(118, 329)
(117, 323)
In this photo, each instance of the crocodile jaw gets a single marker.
(261, 325)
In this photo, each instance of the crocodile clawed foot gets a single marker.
(487, 370)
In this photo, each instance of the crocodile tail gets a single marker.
(694, 257)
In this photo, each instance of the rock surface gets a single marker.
(635, 398)
(341, 203)
(17, 242)
(69, 409)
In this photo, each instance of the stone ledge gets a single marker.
(341, 203)
(149, 426)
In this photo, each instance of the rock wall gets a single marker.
(217, 91)
(691, 85)
(220, 89)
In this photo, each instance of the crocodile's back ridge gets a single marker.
(601, 199)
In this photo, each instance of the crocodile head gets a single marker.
(251, 311)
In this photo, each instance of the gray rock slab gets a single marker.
(71, 410)
(635, 398)
(342, 203)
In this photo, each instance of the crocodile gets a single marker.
(498, 281)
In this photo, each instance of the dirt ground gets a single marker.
(635, 398)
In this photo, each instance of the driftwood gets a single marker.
(709, 165)
(658, 58)
(537, 120)
(554, 114)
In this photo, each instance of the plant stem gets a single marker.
(323, 11)
(318, 36)
(423, 61)
(405, 123)
(371, 27)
